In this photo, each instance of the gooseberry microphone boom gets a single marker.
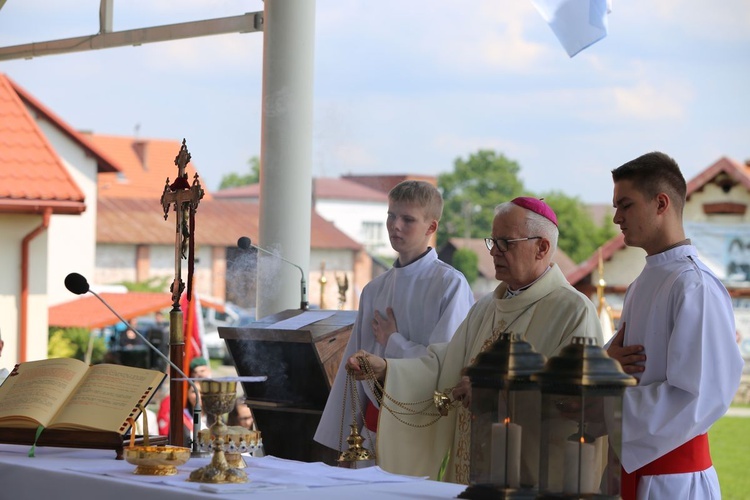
(78, 285)
(245, 243)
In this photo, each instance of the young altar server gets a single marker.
(419, 301)
(533, 299)
(677, 336)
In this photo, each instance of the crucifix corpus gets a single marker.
(184, 197)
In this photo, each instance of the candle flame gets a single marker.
(506, 421)
(582, 440)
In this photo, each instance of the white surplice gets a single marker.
(547, 315)
(429, 300)
(682, 315)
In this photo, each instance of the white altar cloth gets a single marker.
(65, 473)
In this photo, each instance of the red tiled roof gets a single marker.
(251, 192)
(104, 162)
(385, 183)
(89, 312)
(145, 165)
(587, 267)
(218, 223)
(736, 171)
(32, 176)
(342, 189)
(323, 189)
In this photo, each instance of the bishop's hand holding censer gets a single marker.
(371, 369)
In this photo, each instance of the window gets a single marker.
(372, 235)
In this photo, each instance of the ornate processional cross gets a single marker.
(184, 197)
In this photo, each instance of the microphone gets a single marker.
(77, 284)
(245, 243)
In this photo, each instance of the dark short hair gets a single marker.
(655, 173)
(420, 193)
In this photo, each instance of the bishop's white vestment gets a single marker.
(682, 315)
(429, 299)
(548, 315)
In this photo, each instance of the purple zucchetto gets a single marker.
(537, 206)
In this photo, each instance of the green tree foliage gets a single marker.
(471, 192)
(74, 343)
(467, 262)
(580, 236)
(237, 180)
(485, 179)
(155, 284)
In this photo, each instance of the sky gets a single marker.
(409, 86)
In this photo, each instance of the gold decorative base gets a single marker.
(219, 470)
(156, 470)
(235, 460)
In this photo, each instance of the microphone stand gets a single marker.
(302, 283)
(195, 452)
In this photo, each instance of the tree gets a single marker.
(467, 262)
(472, 191)
(580, 236)
(153, 284)
(484, 180)
(73, 343)
(236, 180)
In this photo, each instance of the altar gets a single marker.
(92, 474)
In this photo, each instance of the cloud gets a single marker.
(451, 143)
(354, 156)
(648, 101)
(724, 20)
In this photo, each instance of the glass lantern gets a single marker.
(581, 433)
(505, 405)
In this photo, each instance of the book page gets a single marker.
(106, 397)
(35, 390)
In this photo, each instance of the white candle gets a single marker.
(506, 442)
(588, 467)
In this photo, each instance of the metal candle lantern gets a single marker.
(582, 391)
(505, 404)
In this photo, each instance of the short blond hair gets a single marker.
(420, 193)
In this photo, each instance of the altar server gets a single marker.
(419, 301)
(677, 336)
(533, 299)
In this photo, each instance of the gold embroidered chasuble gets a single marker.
(547, 315)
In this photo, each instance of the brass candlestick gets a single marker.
(323, 280)
(218, 398)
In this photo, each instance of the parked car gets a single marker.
(233, 316)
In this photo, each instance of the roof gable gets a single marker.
(733, 169)
(737, 172)
(32, 175)
(104, 162)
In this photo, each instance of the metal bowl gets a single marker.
(156, 460)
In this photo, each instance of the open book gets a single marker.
(67, 394)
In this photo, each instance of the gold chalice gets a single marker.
(217, 398)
